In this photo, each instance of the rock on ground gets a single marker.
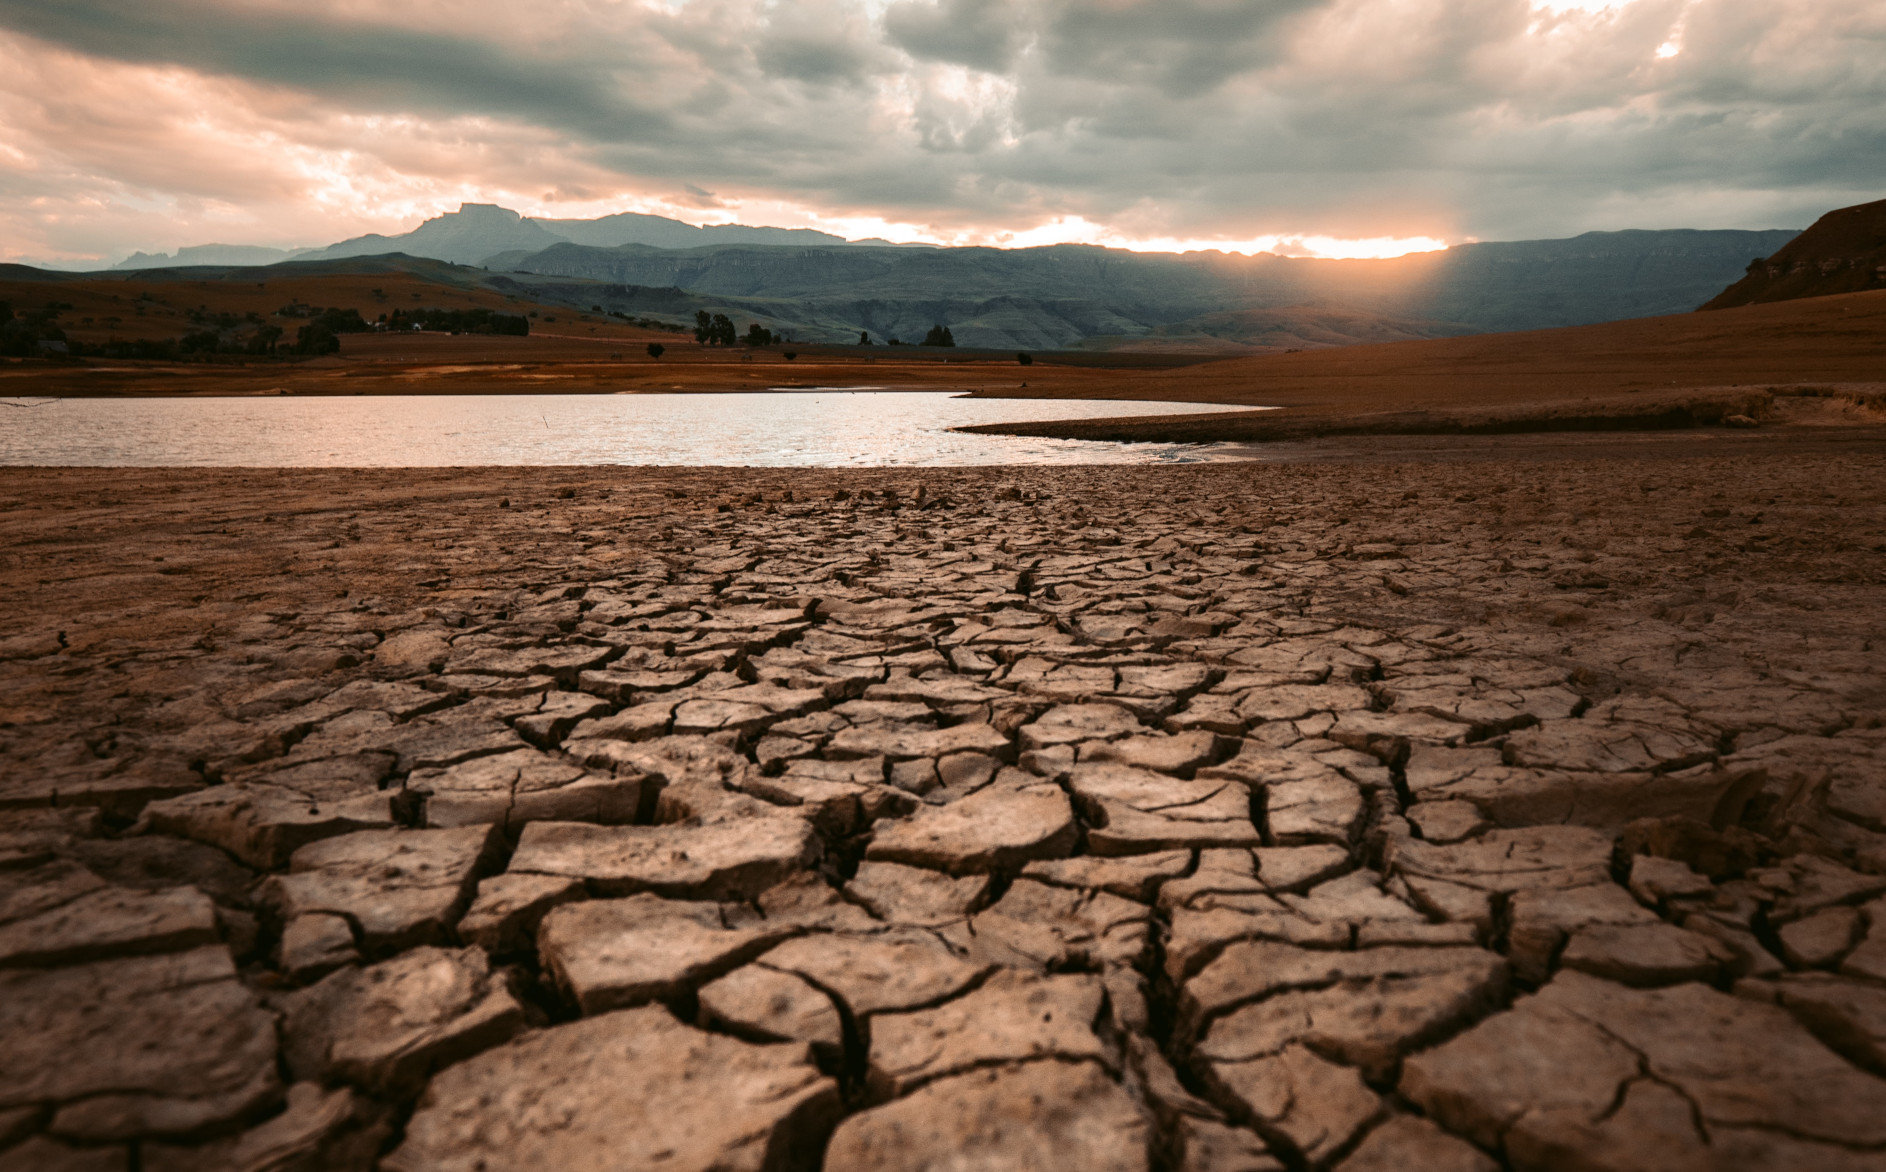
(625, 1090)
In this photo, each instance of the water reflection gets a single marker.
(809, 429)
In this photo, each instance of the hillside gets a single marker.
(1844, 252)
(1648, 372)
(1070, 295)
(167, 304)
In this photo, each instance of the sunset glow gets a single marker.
(1336, 128)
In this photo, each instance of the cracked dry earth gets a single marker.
(1451, 815)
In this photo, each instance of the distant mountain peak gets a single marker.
(483, 210)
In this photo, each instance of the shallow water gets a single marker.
(829, 428)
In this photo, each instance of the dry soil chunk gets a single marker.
(399, 887)
(1298, 1100)
(1365, 1007)
(1543, 918)
(1820, 940)
(59, 913)
(1009, 1119)
(1205, 1145)
(1369, 1022)
(1645, 954)
(1179, 753)
(1510, 860)
(1849, 1016)
(1041, 925)
(774, 1006)
(610, 953)
(524, 786)
(1135, 877)
(877, 974)
(634, 1089)
(321, 1131)
(728, 860)
(264, 824)
(314, 945)
(389, 1026)
(503, 918)
(994, 829)
(1137, 811)
(901, 894)
(1408, 1143)
(1556, 1065)
(1447, 821)
(1079, 722)
(142, 1046)
(1324, 809)
(1619, 736)
(907, 742)
(1012, 1017)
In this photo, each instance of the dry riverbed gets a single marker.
(1445, 805)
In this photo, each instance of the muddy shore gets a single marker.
(1439, 802)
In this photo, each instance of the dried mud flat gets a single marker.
(1372, 814)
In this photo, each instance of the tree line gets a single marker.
(35, 333)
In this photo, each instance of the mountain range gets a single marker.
(1073, 295)
(479, 230)
(816, 287)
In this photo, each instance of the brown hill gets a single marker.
(95, 308)
(1646, 372)
(1844, 252)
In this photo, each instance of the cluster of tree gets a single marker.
(202, 346)
(156, 349)
(322, 335)
(457, 321)
(261, 342)
(21, 335)
(939, 335)
(717, 330)
(222, 321)
(713, 330)
(36, 333)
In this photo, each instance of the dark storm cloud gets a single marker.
(1189, 118)
(360, 64)
(1180, 48)
(982, 34)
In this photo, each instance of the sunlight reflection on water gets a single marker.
(806, 429)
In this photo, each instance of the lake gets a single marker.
(824, 428)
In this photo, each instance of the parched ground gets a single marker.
(1446, 805)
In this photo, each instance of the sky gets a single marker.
(1314, 127)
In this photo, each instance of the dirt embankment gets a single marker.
(1652, 373)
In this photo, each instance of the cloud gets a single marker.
(282, 122)
(981, 34)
